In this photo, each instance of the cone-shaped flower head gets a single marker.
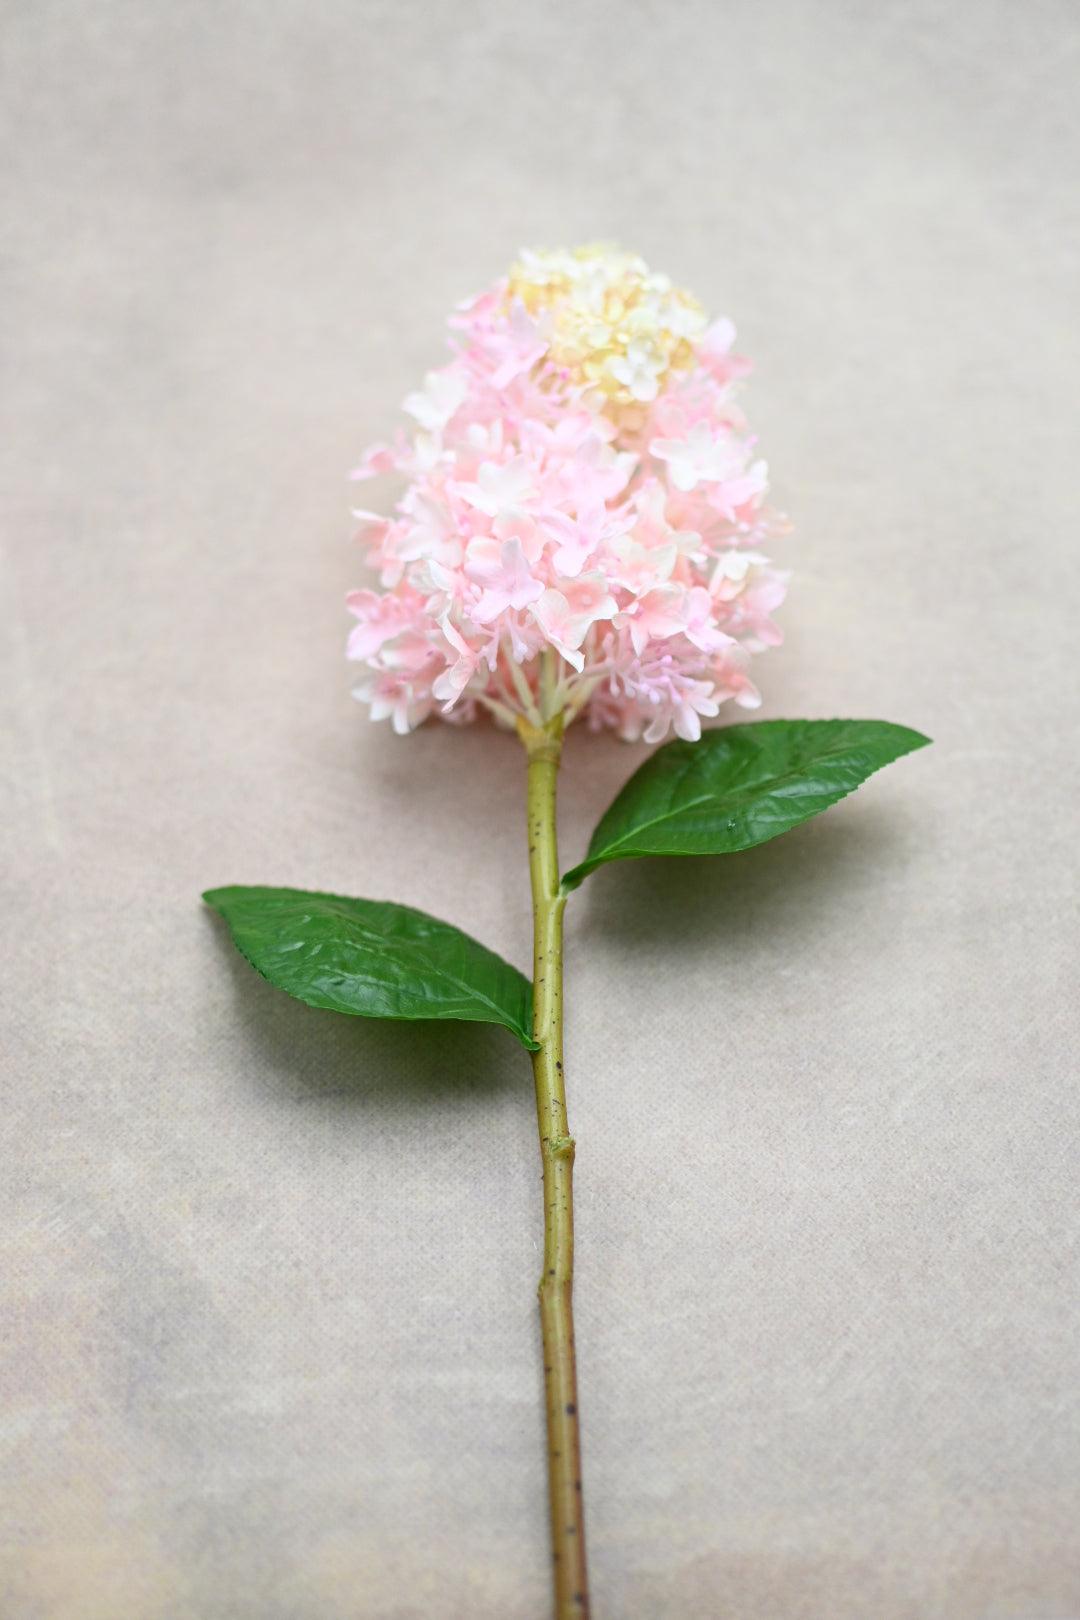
(583, 516)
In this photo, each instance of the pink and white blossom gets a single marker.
(581, 494)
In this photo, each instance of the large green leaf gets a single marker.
(373, 958)
(740, 786)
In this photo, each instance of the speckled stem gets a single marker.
(544, 746)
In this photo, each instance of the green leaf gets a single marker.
(373, 958)
(740, 786)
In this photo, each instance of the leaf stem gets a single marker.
(543, 746)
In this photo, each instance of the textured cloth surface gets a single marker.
(269, 1344)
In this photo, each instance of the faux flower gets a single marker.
(579, 482)
(580, 530)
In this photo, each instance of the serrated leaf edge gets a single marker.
(577, 874)
(519, 1031)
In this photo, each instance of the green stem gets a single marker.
(543, 746)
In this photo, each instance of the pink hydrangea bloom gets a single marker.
(583, 519)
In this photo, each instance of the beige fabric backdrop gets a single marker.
(269, 1339)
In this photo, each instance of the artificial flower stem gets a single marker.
(549, 684)
(500, 710)
(543, 746)
(580, 697)
(524, 691)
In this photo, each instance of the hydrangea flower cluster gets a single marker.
(582, 525)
